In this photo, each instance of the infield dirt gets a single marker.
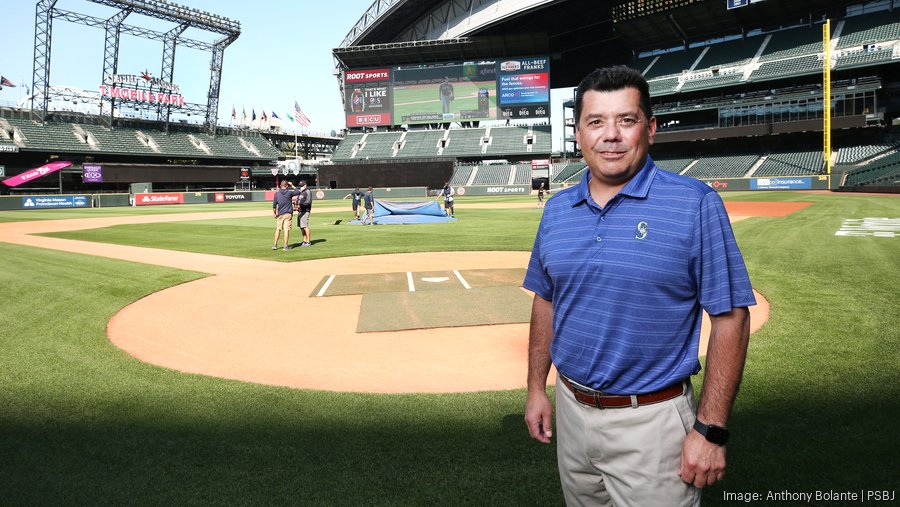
(234, 324)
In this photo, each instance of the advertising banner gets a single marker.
(724, 184)
(367, 99)
(36, 173)
(54, 201)
(230, 197)
(780, 183)
(524, 88)
(92, 173)
(158, 198)
(494, 190)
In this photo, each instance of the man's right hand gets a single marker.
(539, 416)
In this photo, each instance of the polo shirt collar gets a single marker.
(638, 186)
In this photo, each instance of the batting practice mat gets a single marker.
(433, 299)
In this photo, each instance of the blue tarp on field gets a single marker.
(408, 212)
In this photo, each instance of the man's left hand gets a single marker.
(702, 462)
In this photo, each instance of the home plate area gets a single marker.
(433, 299)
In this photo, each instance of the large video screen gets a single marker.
(367, 97)
(448, 92)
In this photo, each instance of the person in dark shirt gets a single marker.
(446, 94)
(356, 196)
(304, 208)
(369, 203)
(283, 209)
(447, 193)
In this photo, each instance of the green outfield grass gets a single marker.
(477, 229)
(83, 423)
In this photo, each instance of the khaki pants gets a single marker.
(283, 222)
(623, 456)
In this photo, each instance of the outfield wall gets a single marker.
(493, 190)
(59, 201)
(818, 182)
(49, 201)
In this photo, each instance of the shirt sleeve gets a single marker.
(718, 266)
(536, 278)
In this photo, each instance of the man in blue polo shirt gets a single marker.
(623, 265)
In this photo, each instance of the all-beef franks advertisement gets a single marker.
(367, 97)
(524, 87)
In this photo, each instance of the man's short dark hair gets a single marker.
(610, 79)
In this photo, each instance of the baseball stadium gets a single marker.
(157, 352)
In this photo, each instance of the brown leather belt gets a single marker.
(595, 399)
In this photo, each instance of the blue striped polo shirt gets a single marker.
(628, 281)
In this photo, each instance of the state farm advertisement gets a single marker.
(157, 198)
(367, 97)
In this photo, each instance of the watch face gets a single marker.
(717, 435)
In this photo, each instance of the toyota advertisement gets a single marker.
(448, 92)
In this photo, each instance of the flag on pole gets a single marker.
(264, 118)
(275, 116)
(6, 82)
(291, 118)
(244, 116)
(254, 114)
(302, 119)
(233, 112)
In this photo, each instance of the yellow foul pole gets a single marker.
(826, 92)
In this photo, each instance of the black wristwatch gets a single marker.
(715, 434)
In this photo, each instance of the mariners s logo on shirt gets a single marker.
(642, 230)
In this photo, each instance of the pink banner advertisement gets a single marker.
(35, 173)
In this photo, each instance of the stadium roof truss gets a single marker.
(444, 19)
(183, 17)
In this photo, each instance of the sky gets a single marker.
(283, 54)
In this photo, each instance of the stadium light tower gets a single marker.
(182, 17)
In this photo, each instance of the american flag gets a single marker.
(301, 117)
(7, 82)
